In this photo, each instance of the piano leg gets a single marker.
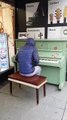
(61, 86)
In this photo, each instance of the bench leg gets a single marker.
(44, 89)
(19, 85)
(10, 87)
(37, 95)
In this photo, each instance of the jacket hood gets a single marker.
(30, 41)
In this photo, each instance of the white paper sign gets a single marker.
(36, 33)
(57, 32)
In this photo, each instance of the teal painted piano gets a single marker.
(53, 65)
(52, 62)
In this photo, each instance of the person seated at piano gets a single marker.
(28, 59)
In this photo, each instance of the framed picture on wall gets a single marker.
(35, 14)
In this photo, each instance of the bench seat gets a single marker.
(35, 81)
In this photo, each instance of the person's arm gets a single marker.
(35, 57)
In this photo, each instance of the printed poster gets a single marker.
(36, 33)
(4, 58)
(35, 14)
(57, 32)
(57, 11)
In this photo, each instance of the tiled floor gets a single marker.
(22, 104)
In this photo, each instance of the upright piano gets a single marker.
(52, 62)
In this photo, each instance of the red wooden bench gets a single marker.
(35, 81)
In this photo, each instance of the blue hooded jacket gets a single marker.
(27, 57)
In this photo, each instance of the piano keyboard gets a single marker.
(55, 61)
